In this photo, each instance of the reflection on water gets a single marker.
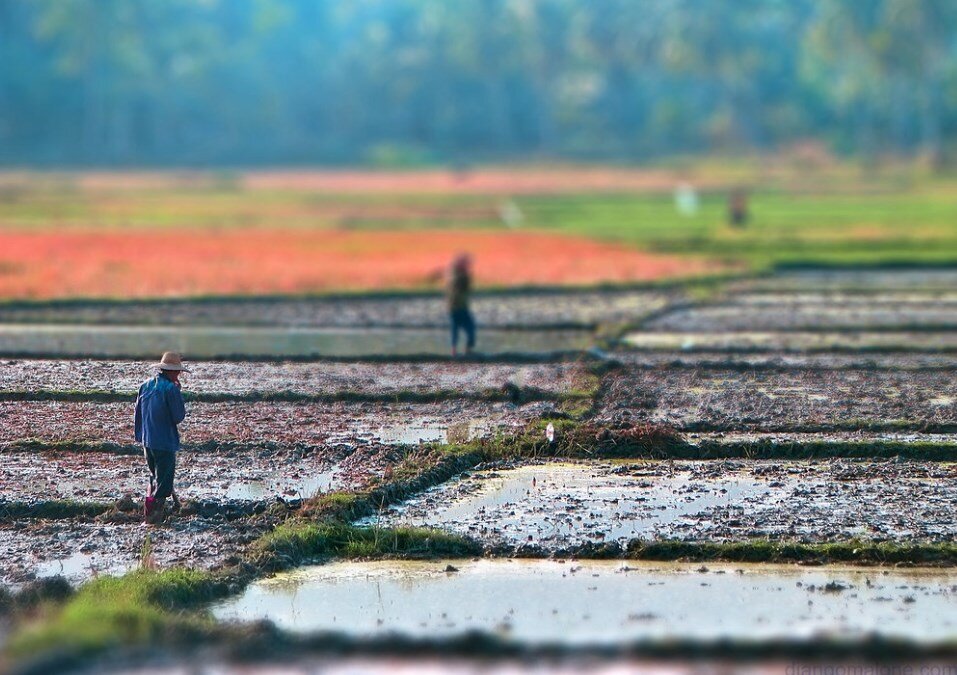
(424, 431)
(78, 566)
(594, 602)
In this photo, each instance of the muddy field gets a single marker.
(797, 342)
(705, 360)
(310, 379)
(780, 313)
(506, 310)
(720, 399)
(80, 550)
(258, 423)
(799, 360)
(558, 507)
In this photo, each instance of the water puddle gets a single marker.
(303, 487)
(602, 602)
(424, 431)
(561, 506)
(222, 342)
(80, 566)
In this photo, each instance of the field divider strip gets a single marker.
(512, 394)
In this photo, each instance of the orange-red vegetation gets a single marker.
(75, 263)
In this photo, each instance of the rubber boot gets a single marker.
(158, 514)
(149, 505)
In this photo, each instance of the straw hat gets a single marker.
(171, 361)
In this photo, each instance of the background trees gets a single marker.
(217, 82)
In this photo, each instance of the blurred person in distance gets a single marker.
(738, 213)
(159, 409)
(457, 292)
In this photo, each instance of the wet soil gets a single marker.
(817, 316)
(266, 423)
(560, 506)
(717, 399)
(587, 603)
(797, 438)
(853, 280)
(82, 550)
(231, 475)
(316, 378)
(770, 361)
(523, 310)
(794, 341)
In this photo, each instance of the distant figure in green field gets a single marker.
(457, 292)
(159, 410)
(738, 208)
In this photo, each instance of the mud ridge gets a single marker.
(505, 394)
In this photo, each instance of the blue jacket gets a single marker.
(159, 408)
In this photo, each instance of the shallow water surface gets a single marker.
(602, 602)
(787, 341)
(559, 506)
(76, 340)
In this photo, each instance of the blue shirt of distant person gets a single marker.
(159, 410)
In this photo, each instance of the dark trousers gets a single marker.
(462, 320)
(162, 464)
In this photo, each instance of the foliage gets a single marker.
(128, 610)
(300, 540)
(407, 82)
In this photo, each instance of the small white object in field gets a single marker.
(550, 432)
(510, 214)
(686, 200)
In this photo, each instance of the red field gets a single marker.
(73, 263)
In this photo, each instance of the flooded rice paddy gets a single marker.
(596, 602)
(710, 399)
(263, 423)
(556, 506)
(785, 315)
(794, 341)
(527, 310)
(84, 549)
(232, 476)
(248, 378)
(84, 341)
(796, 359)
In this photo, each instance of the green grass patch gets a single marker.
(905, 224)
(142, 607)
(302, 540)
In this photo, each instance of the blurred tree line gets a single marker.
(459, 81)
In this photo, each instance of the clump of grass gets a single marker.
(129, 610)
(299, 540)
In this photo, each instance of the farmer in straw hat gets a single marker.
(159, 408)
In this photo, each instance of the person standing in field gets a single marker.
(159, 409)
(458, 289)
